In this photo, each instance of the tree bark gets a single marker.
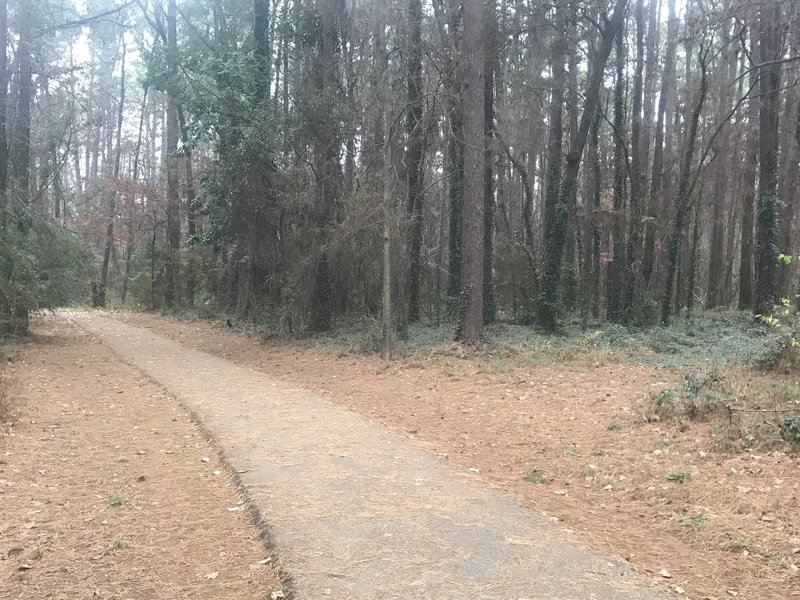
(749, 192)
(547, 315)
(3, 111)
(112, 194)
(640, 143)
(414, 156)
(472, 222)
(489, 304)
(716, 269)
(770, 50)
(261, 49)
(173, 200)
(654, 202)
(616, 270)
(558, 50)
(19, 153)
(685, 184)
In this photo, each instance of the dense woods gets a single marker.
(300, 162)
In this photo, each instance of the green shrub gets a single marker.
(696, 397)
(679, 475)
(647, 313)
(614, 334)
(43, 267)
(791, 429)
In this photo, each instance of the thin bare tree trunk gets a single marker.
(654, 203)
(173, 200)
(112, 194)
(682, 199)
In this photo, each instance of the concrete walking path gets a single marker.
(355, 512)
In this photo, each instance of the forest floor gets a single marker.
(565, 433)
(108, 490)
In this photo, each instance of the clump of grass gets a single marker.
(121, 543)
(599, 452)
(696, 397)
(574, 449)
(748, 409)
(5, 390)
(693, 520)
(679, 476)
(117, 500)
(536, 476)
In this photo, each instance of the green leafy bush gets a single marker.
(696, 397)
(43, 267)
(791, 428)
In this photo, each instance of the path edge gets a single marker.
(257, 518)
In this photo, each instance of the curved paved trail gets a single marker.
(355, 512)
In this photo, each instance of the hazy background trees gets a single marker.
(548, 163)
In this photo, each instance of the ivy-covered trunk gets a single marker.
(771, 50)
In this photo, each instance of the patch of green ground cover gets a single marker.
(707, 339)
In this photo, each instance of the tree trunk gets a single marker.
(19, 153)
(326, 155)
(770, 51)
(547, 316)
(455, 158)
(415, 131)
(685, 185)
(261, 49)
(716, 262)
(693, 258)
(640, 143)
(3, 111)
(749, 192)
(135, 177)
(112, 194)
(173, 200)
(489, 304)
(616, 270)
(789, 178)
(597, 188)
(388, 186)
(472, 222)
(654, 202)
(558, 50)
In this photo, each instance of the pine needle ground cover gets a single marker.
(109, 491)
(724, 516)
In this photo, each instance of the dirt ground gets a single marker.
(569, 441)
(108, 490)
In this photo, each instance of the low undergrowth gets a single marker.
(746, 409)
(708, 339)
(6, 389)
